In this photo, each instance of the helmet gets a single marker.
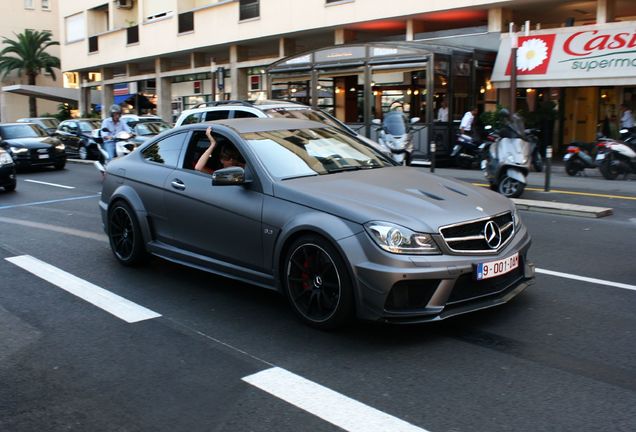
(504, 113)
(114, 108)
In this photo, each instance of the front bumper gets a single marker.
(39, 157)
(414, 289)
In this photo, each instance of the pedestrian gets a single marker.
(627, 118)
(466, 125)
(442, 112)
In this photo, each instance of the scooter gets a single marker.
(508, 158)
(618, 157)
(579, 156)
(537, 159)
(395, 136)
(124, 145)
(466, 151)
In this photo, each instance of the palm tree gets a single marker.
(27, 55)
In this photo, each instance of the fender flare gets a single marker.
(130, 196)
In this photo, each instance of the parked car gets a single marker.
(145, 127)
(30, 146)
(78, 136)
(49, 124)
(7, 171)
(221, 110)
(320, 217)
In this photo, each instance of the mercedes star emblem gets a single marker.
(492, 235)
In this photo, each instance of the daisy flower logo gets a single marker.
(531, 54)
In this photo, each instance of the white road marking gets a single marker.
(587, 279)
(55, 228)
(327, 404)
(49, 184)
(106, 300)
(48, 202)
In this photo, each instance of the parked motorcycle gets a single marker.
(617, 157)
(508, 158)
(395, 135)
(579, 156)
(537, 159)
(466, 152)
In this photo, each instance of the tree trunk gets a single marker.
(33, 110)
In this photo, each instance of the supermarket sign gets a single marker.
(565, 56)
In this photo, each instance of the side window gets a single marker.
(166, 151)
(217, 115)
(243, 114)
(191, 119)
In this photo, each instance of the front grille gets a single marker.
(470, 237)
(468, 288)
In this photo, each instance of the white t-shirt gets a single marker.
(627, 120)
(467, 121)
(442, 114)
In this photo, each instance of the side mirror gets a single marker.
(414, 120)
(376, 122)
(228, 176)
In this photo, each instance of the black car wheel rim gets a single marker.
(121, 233)
(313, 282)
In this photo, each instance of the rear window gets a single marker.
(217, 115)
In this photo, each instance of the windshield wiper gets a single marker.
(344, 168)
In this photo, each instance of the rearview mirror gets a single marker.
(228, 176)
(376, 121)
(415, 120)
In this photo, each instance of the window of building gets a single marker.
(75, 27)
(28, 4)
(45, 4)
(186, 22)
(156, 9)
(337, 1)
(248, 9)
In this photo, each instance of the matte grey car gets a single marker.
(321, 218)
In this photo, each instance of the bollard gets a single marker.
(548, 167)
(433, 156)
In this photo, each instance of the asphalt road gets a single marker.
(559, 357)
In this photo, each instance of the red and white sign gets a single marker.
(599, 55)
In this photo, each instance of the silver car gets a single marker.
(320, 217)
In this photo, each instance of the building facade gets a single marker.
(180, 53)
(15, 17)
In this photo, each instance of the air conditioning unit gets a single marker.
(124, 4)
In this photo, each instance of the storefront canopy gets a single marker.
(57, 94)
(598, 55)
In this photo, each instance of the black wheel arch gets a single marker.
(130, 197)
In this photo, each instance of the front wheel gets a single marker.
(510, 187)
(608, 168)
(537, 162)
(11, 187)
(317, 283)
(83, 153)
(60, 165)
(124, 235)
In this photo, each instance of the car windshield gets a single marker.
(22, 131)
(150, 128)
(49, 123)
(89, 125)
(306, 114)
(308, 152)
(394, 123)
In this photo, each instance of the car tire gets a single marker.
(60, 165)
(124, 235)
(317, 283)
(11, 187)
(83, 152)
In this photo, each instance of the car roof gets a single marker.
(27, 119)
(247, 125)
(242, 105)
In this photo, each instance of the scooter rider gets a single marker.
(110, 127)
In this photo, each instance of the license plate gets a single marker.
(496, 268)
(43, 156)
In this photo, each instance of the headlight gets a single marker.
(516, 219)
(5, 159)
(19, 150)
(400, 240)
(60, 146)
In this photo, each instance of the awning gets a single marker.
(57, 94)
(596, 55)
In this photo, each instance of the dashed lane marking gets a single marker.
(55, 228)
(48, 202)
(333, 407)
(103, 299)
(587, 279)
(49, 184)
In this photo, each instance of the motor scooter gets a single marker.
(466, 151)
(617, 157)
(124, 145)
(395, 136)
(508, 158)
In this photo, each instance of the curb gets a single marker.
(562, 208)
(79, 161)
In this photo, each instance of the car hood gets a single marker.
(32, 143)
(406, 196)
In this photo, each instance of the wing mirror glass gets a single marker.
(228, 176)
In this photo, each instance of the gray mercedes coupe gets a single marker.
(317, 215)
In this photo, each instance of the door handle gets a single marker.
(178, 184)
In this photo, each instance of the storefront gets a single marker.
(584, 72)
(360, 82)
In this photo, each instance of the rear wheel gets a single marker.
(572, 167)
(510, 187)
(317, 283)
(124, 235)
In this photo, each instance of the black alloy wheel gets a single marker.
(124, 235)
(317, 284)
